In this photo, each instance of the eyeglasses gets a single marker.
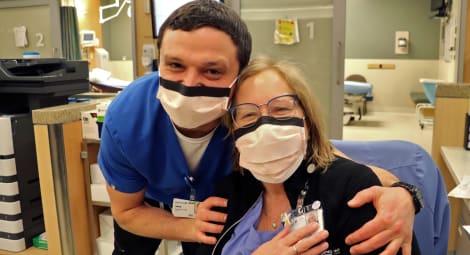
(280, 107)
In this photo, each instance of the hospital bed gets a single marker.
(356, 95)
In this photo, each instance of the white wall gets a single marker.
(122, 69)
(392, 87)
(448, 50)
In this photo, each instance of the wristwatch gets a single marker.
(415, 193)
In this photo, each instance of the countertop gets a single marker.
(459, 90)
(69, 112)
(457, 160)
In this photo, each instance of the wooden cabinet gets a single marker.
(63, 181)
(456, 160)
(61, 177)
(448, 130)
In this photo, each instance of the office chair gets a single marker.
(412, 164)
(357, 91)
(429, 86)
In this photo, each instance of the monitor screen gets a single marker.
(88, 37)
(161, 9)
(437, 4)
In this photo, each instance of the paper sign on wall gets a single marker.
(286, 31)
(20, 36)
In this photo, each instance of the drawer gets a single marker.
(464, 214)
(463, 241)
(10, 208)
(463, 238)
(6, 146)
(9, 189)
(7, 166)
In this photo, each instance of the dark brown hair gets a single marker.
(200, 13)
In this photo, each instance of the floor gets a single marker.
(389, 126)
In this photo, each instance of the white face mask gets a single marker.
(272, 149)
(192, 107)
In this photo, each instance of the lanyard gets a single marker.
(301, 197)
(190, 181)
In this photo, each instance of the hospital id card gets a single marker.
(184, 208)
(300, 217)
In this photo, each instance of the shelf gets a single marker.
(29, 251)
(103, 204)
(91, 141)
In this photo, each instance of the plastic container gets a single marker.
(40, 241)
(101, 110)
(31, 54)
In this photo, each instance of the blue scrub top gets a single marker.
(245, 238)
(139, 148)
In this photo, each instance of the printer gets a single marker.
(26, 85)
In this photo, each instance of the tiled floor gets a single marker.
(389, 126)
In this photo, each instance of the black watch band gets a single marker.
(415, 193)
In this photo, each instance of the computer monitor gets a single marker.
(88, 38)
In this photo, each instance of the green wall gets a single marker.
(371, 26)
(313, 56)
(117, 37)
(36, 19)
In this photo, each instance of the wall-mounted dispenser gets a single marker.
(402, 42)
(148, 57)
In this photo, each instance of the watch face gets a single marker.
(419, 196)
(415, 193)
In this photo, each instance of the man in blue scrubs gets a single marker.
(163, 144)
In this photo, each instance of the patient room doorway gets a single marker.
(371, 51)
(318, 50)
(118, 37)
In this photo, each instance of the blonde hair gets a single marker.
(319, 148)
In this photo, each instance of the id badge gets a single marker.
(184, 208)
(300, 217)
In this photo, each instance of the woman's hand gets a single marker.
(391, 227)
(204, 223)
(296, 242)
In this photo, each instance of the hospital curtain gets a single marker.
(69, 32)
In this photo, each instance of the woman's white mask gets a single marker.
(192, 107)
(272, 149)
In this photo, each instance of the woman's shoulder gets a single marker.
(344, 166)
(350, 174)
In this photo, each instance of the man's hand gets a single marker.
(392, 226)
(205, 218)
